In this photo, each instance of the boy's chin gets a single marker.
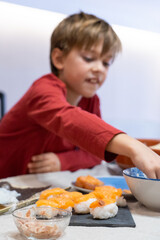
(89, 95)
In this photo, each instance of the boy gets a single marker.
(56, 125)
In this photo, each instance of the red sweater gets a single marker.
(43, 121)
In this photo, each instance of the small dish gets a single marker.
(114, 181)
(41, 222)
(73, 184)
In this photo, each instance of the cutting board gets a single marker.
(122, 219)
(25, 192)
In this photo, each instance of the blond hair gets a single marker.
(83, 31)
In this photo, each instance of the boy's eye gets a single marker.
(88, 59)
(106, 64)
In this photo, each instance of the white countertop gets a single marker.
(147, 221)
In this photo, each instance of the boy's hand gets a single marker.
(45, 162)
(141, 155)
(147, 161)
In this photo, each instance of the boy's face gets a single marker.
(84, 71)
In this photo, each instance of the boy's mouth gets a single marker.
(93, 80)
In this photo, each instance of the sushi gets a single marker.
(49, 193)
(101, 203)
(103, 209)
(88, 182)
(64, 203)
(82, 204)
(57, 202)
(45, 202)
(109, 192)
(71, 195)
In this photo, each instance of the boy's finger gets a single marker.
(39, 157)
(40, 170)
(37, 164)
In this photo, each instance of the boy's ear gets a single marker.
(57, 57)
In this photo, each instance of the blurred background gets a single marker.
(130, 97)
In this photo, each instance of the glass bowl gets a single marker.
(41, 222)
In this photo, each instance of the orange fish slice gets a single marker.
(45, 202)
(101, 203)
(84, 198)
(51, 193)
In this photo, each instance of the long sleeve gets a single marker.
(48, 107)
(77, 159)
(43, 121)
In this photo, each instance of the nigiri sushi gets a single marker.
(64, 203)
(57, 202)
(103, 209)
(105, 192)
(88, 182)
(82, 204)
(45, 202)
(71, 195)
(49, 193)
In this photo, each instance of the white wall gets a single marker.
(131, 93)
(140, 14)
(130, 97)
(24, 47)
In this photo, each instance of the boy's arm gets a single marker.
(141, 155)
(77, 159)
(44, 162)
(86, 130)
(70, 160)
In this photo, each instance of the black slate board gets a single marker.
(122, 219)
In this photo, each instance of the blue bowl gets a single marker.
(136, 173)
(145, 190)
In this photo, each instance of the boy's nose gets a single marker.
(98, 67)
